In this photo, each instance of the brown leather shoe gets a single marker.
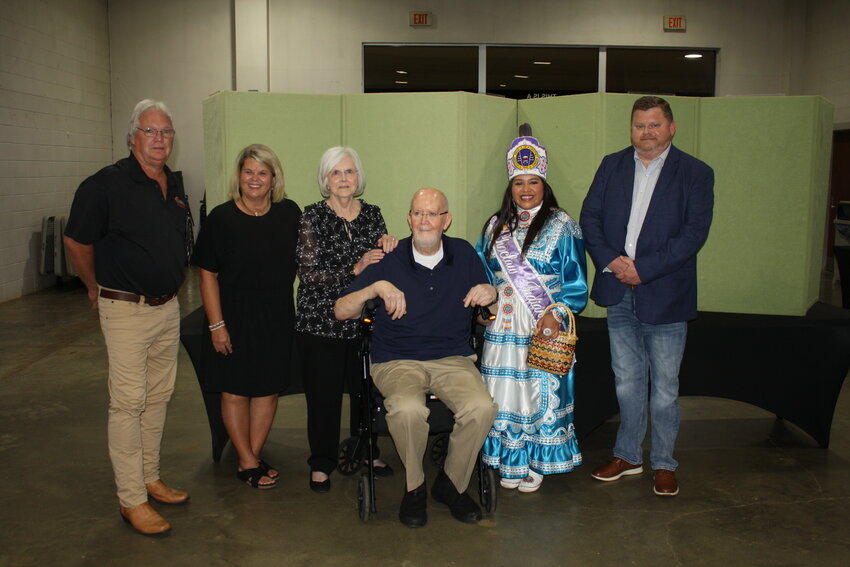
(614, 469)
(145, 520)
(665, 483)
(164, 494)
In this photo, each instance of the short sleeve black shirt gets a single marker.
(139, 237)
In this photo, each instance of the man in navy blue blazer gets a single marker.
(645, 217)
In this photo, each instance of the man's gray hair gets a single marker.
(141, 107)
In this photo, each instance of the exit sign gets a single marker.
(675, 23)
(418, 19)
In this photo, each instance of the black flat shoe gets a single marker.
(320, 486)
(413, 512)
(383, 471)
(462, 507)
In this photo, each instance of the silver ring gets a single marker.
(547, 332)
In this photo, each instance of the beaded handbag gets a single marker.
(554, 355)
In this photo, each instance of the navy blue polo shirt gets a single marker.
(139, 237)
(437, 324)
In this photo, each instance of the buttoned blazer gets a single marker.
(675, 228)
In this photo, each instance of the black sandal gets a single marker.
(266, 468)
(253, 476)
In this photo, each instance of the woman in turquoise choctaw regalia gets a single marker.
(534, 255)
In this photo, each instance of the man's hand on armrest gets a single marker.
(350, 306)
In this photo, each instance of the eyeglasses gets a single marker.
(152, 132)
(427, 214)
(338, 174)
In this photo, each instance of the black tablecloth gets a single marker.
(793, 367)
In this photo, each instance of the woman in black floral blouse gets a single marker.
(339, 237)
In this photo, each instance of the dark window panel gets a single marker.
(660, 71)
(571, 70)
(429, 68)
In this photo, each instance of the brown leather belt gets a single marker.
(630, 286)
(132, 297)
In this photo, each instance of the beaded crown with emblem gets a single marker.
(526, 156)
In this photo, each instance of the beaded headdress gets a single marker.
(526, 156)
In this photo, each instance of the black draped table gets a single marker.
(793, 367)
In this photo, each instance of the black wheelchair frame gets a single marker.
(373, 419)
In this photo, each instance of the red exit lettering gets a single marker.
(675, 23)
(420, 18)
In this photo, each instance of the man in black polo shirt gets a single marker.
(128, 237)
(428, 287)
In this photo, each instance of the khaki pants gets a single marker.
(457, 383)
(142, 343)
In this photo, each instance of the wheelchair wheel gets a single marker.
(439, 449)
(487, 488)
(349, 456)
(364, 498)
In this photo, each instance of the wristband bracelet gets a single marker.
(216, 326)
(556, 313)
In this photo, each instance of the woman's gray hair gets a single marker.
(268, 158)
(333, 156)
(141, 107)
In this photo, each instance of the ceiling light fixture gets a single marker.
(521, 76)
(400, 72)
(693, 56)
(401, 82)
(542, 62)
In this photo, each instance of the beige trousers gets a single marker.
(457, 383)
(142, 342)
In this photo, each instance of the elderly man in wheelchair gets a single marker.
(425, 291)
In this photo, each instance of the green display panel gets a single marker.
(451, 141)
(770, 156)
(299, 128)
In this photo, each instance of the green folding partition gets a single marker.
(451, 141)
(299, 128)
(770, 156)
(771, 162)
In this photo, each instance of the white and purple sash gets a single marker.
(522, 276)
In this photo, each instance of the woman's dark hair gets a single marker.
(507, 216)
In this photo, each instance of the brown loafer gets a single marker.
(145, 520)
(614, 469)
(665, 483)
(164, 494)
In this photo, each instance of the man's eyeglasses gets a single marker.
(427, 214)
(152, 132)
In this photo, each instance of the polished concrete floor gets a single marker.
(754, 490)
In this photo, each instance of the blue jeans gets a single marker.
(645, 359)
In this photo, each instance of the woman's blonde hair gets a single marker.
(265, 156)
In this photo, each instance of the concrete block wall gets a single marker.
(55, 122)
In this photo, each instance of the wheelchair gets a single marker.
(356, 450)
